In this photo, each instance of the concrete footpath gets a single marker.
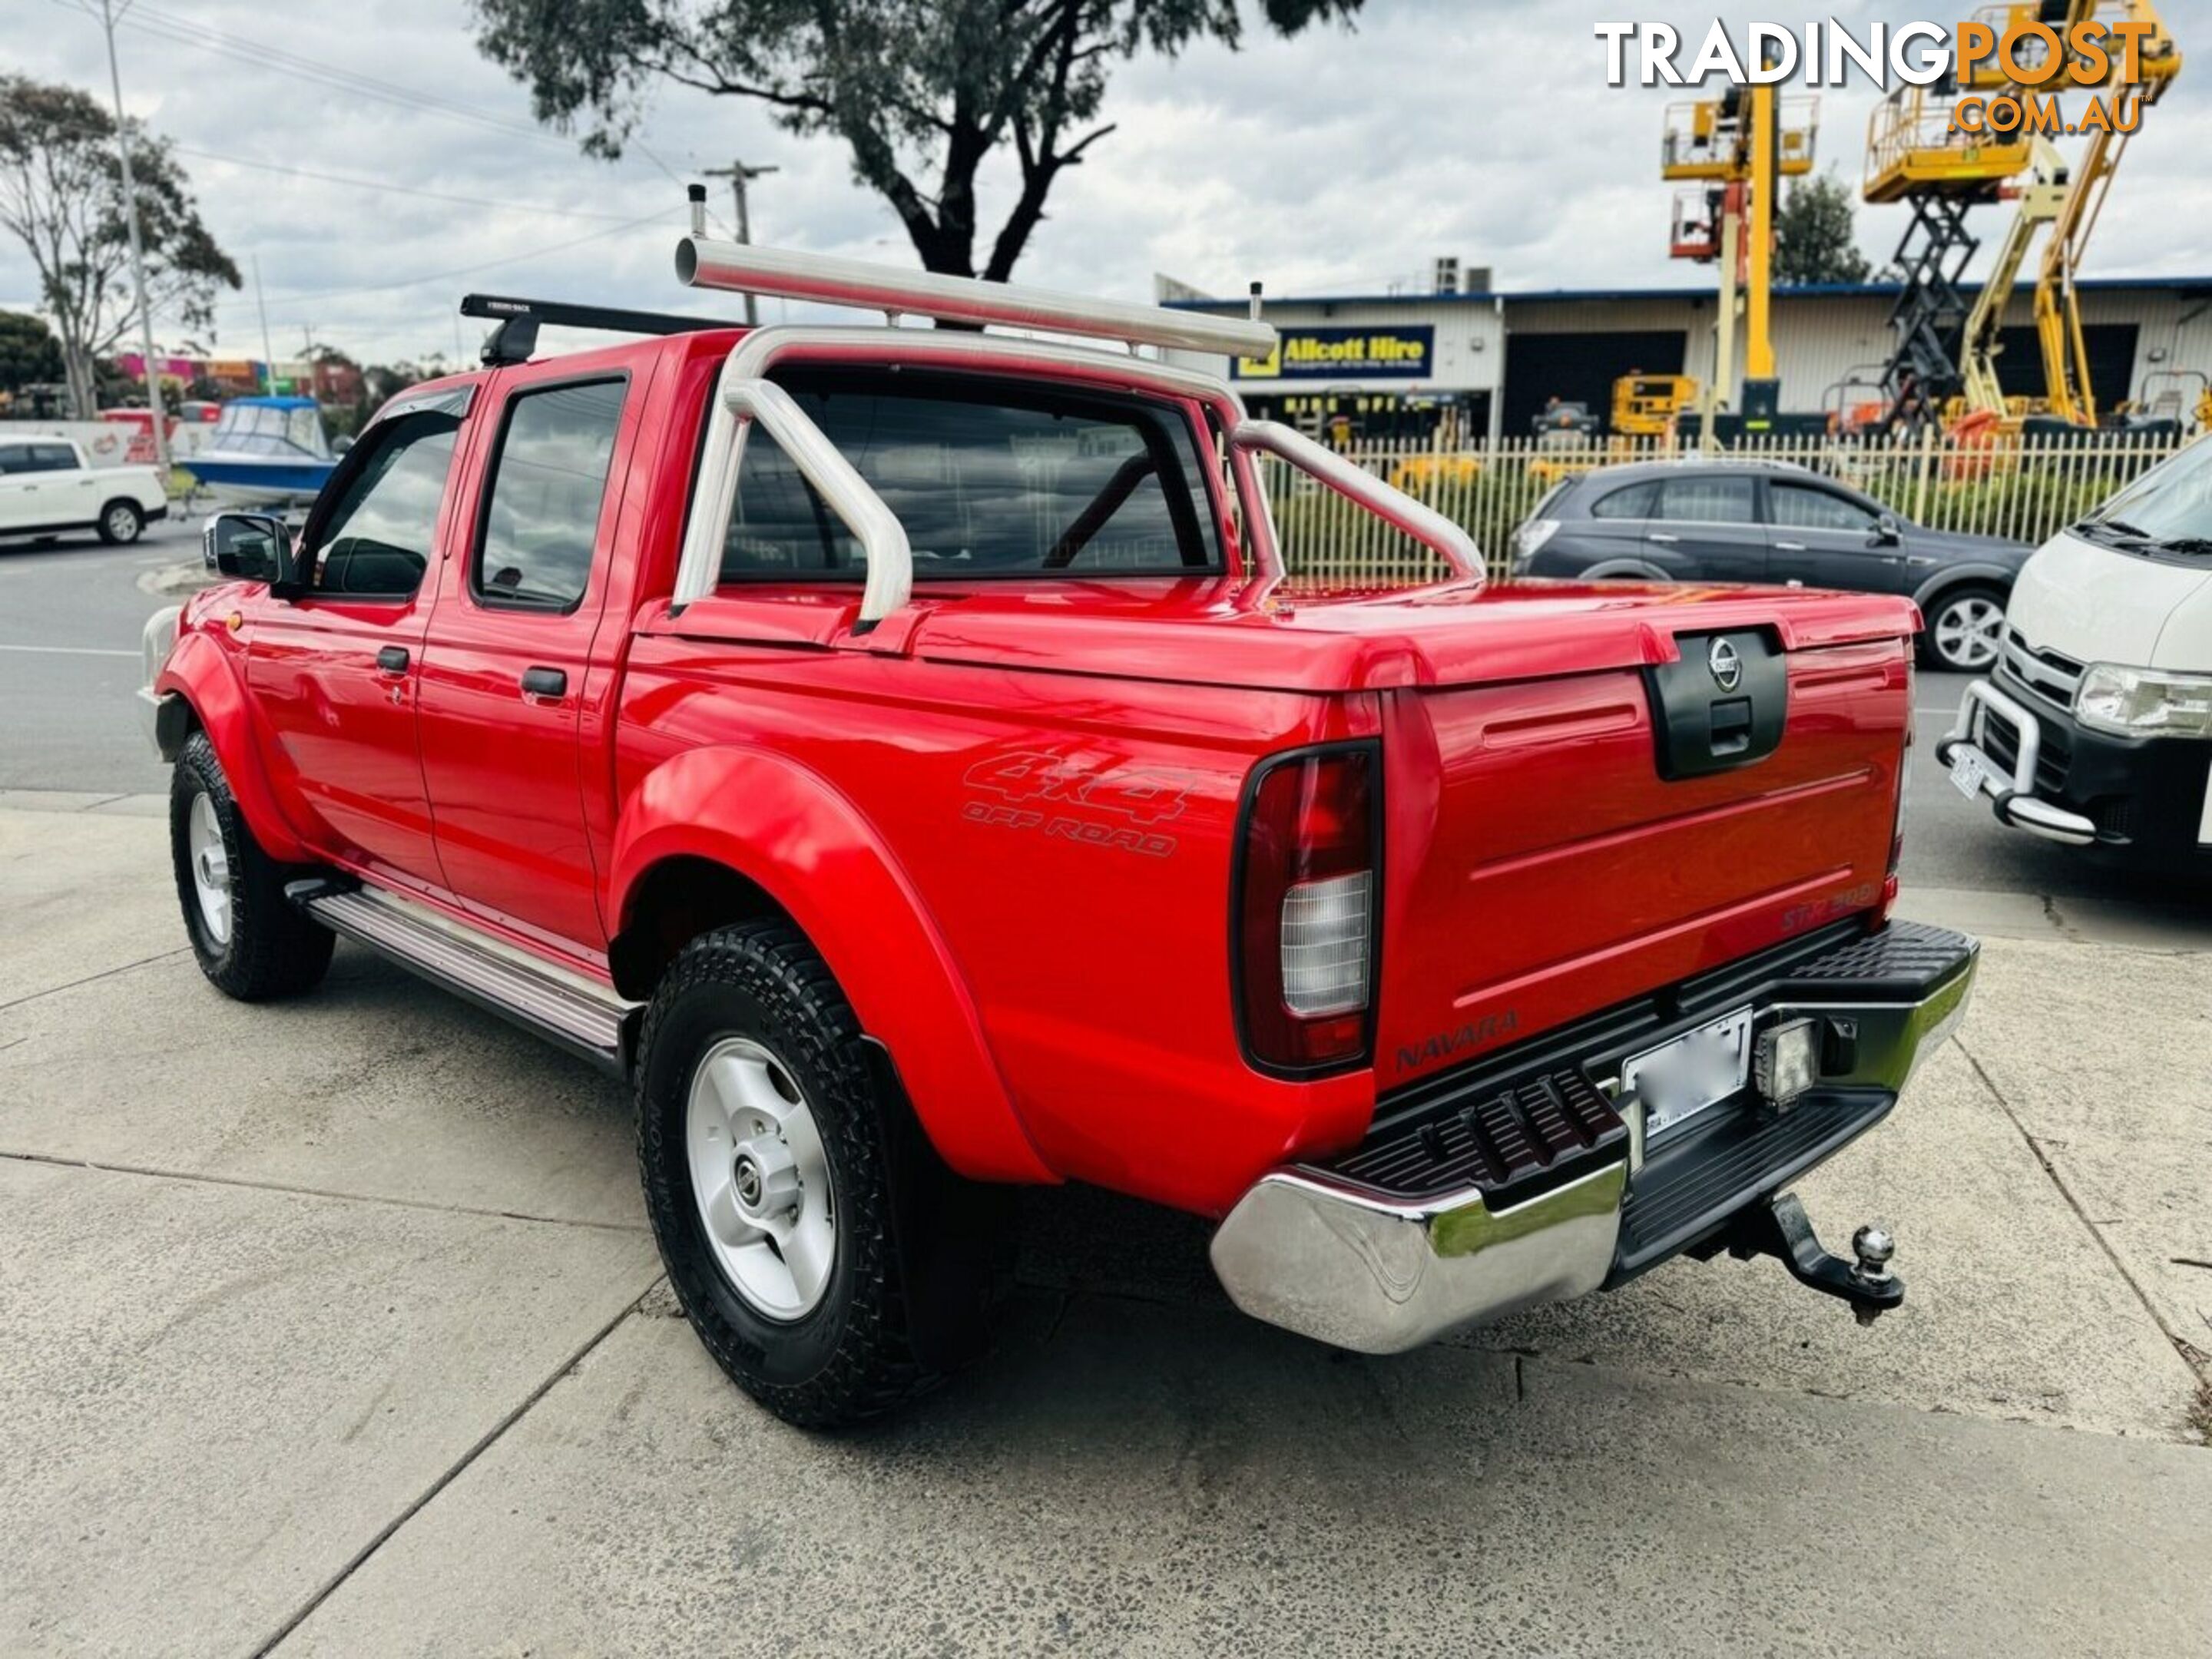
(333, 1327)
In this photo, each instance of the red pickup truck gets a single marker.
(899, 751)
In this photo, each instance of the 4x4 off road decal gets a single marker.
(1091, 800)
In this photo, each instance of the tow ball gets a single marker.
(1780, 1228)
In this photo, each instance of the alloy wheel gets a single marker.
(210, 862)
(1967, 631)
(761, 1179)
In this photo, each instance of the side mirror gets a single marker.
(255, 546)
(1887, 532)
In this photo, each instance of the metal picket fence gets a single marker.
(2021, 488)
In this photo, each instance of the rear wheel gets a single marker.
(121, 523)
(762, 1143)
(251, 942)
(1965, 631)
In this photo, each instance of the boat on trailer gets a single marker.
(265, 452)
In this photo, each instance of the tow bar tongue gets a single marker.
(1780, 1228)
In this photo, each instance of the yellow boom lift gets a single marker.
(1736, 149)
(1914, 156)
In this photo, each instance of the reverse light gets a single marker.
(2144, 702)
(1306, 908)
(1787, 1061)
(1326, 945)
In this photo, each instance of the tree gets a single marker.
(922, 92)
(1815, 238)
(29, 354)
(61, 194)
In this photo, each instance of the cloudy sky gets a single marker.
(1341, 161)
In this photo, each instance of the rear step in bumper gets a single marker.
(1363, 1267)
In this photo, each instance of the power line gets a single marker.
(713, 218)
(184, 32)
(459, 271)
(397, 190)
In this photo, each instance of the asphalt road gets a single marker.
(70, 616)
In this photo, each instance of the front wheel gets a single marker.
(762, 1143)
(121, 523)
(1965, 631)
(251, 942)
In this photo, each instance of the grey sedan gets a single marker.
(1772, 522)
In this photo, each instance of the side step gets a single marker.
(588, 1019)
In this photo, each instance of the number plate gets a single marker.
(1701, 1068)
(1970, 770)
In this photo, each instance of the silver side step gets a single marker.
(581, 1016)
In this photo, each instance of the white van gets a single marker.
(2095, 727)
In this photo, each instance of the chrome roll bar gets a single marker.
(874, 525)
(1387, 502)
(751, 358)
(743, 394)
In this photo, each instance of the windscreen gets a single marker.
(2169, 504)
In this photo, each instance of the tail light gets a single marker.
(1307, 904)
(1889, 882)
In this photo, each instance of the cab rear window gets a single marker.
(991, 479)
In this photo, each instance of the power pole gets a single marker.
(738, 173)
(268, 352)
(107, 16)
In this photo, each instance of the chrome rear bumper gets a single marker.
(1347, 1267)
(1361, 1268)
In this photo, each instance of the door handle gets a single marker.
(1788, 547)
(392, 659)
(544, 682)
(1659, 536)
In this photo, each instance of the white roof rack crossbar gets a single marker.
(707, 262)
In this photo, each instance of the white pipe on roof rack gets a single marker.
(709, 262)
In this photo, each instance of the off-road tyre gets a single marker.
(273, 949)
(851, 1356)
(121, 523)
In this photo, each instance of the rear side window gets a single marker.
(549, 480)
(1631, 502)
(1801, 507)
(53, 458)
(1706, 501)
(989, 479)
(377, 539)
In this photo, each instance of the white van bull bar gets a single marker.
(2012, 795)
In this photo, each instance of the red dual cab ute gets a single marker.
(898, 751)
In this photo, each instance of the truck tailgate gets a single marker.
(1555, 846)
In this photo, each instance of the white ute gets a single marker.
(48, 488)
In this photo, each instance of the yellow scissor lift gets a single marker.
(1737, 148)
(1913, 156)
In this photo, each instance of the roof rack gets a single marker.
(703, 261)
(516, 337)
